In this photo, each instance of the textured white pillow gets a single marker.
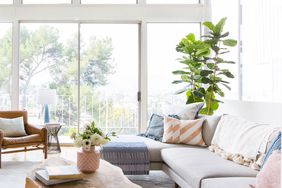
(12, 127)
(186, 112)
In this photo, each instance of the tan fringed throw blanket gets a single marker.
(241, 141)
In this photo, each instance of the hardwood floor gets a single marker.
(67, 153)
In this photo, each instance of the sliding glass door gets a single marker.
(5, 65)
(48, 60)
(100, 82)
(162, 60)
(109, 76)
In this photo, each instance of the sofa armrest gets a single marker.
(33, 129)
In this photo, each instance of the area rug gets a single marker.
(13, 173)
(156, 179)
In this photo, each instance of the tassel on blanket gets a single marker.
(237, 158)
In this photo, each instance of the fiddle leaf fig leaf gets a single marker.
(224, 35)
(197, 77)
(180, 91)
(185, 78)
(198, 94)
(224, 81)
(180, 72)
(219, 26)
(227, 73)
(177, 81)
(206, 72)
(191, 37)
(203, 52)
(225, 85)
(206, 80)
(230, 42)
(209, 25)
(228, 62)
(210, 65)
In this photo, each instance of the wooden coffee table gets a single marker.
(107, 176)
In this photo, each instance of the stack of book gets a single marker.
(58, 174)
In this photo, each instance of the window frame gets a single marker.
(76, 13)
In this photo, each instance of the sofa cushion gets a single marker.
(195, 164)
(209, 127)
(22, 140)
(237, 182)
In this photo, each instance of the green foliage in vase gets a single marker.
(203, 72)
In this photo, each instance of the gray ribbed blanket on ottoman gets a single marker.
(132, 157)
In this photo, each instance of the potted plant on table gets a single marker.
(88, 159)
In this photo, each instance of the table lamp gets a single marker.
(45, 98)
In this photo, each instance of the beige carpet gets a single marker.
(13, 173)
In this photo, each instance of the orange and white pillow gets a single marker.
(183, 131)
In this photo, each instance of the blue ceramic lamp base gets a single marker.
(46, 114)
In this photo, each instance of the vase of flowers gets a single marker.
(88, 159)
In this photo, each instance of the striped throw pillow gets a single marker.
(183, 131)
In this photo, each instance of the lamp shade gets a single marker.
(47, 96)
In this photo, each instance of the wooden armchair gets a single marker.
(36, 138)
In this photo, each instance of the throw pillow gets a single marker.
(276, 145)
(183, 131)
(209, 127)
(269, 176)
(189, 111)
(12, 127)
(155, 129)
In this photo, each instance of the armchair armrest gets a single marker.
(1, 137)
(33, 129)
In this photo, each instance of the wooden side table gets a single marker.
(53, 139)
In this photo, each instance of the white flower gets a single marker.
(96, 139)
(78, 142)
(86, 144)
(104, 141)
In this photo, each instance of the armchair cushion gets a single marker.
(34, 138)
(12, 126)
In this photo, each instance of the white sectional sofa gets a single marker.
(196, 167)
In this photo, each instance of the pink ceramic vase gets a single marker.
(88, 161)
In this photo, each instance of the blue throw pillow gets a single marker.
(155, 129)
(276, 145)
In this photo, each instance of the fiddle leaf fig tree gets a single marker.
(203, 72)
(196, 51)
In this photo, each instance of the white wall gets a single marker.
(261, 112)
